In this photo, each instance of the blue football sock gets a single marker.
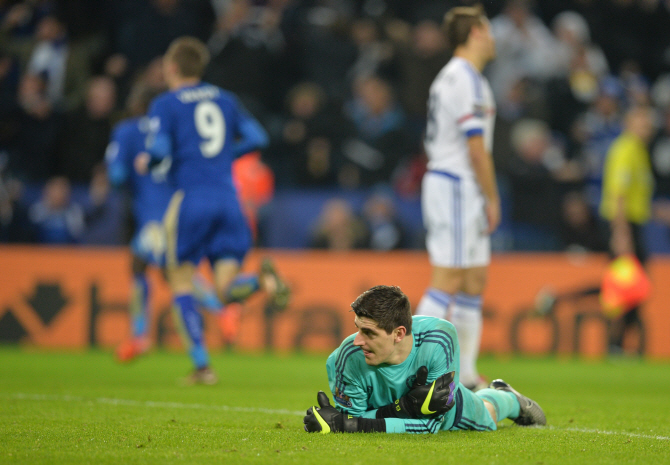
(205, 294)
(505, 403)
(192, 329)
(243, 286)
(139, 309)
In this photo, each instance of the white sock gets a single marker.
(434, 303)
(466, 315)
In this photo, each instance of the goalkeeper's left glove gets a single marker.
(327, 419)
(423, 400)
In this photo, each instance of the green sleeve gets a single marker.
(399, 425)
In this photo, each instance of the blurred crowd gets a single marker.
(341, 86)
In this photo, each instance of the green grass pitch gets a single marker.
(63, 407)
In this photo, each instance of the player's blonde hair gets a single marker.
(458, 23)
(189, 54)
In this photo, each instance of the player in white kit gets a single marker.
(460, 201)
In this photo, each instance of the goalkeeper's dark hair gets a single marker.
(459, 21)
(388, 306)
(190, 55)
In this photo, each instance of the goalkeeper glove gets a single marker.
(423, 400)
(327, 419)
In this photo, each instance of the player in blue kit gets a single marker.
(150, 195)
(202, 129)
(400, 374)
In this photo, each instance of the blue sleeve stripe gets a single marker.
(448, 351)
(344, 355)
(474, 132)
(439, 337)
(340, 364)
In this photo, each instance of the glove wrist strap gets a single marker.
(389, 411)
(364, 425)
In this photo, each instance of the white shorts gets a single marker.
(453, 214)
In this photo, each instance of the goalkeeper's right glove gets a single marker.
(327, 419)
(423, 400)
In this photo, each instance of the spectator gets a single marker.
(77, 156)
(570, 93)
(143, 30)
(56, 218)
(595, 130)
(246, 47)
(580, 228)
(525, 48)
(338, 228)
(102, 212)
(64, 65)
(385, 230)
(326, 47)
(373, 51)
(32, 133)
(382, 142)
(660, 156)
(18, 21)
(535, 173)
(574, 43)
(9, 80)
(417, 65)
(310, 141)
(14, 223)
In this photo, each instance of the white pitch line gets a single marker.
(226, 408)
(617, 433)
(155, 404)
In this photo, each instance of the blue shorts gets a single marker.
(205, 223)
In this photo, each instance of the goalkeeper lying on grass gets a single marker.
(399, 374)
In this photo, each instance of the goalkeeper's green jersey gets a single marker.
(360, 389)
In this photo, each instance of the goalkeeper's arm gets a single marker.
(327, 419)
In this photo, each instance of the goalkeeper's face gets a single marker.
(378, 346)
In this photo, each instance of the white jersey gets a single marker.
(460, 105)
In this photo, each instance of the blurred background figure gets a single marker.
(415, 66)
(627, 201)
(14, 223)
(581, 230)
(338, 228)
(525, 48)
(32, 132)
(381, 140)
(307, 145)
(538, 172)
(56, 218)
(385, 230)
(65, 66)
(92, 123)
(595, 130)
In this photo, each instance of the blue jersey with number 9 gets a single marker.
(203, 129)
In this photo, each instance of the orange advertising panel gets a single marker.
(77, 298)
